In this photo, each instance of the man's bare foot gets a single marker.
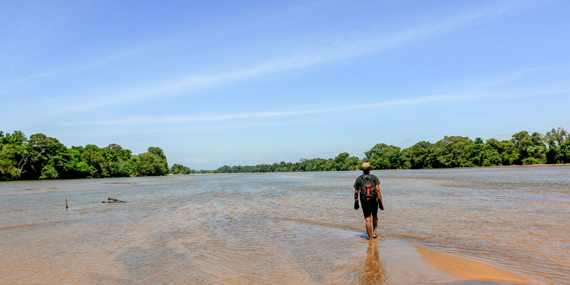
(374, 235)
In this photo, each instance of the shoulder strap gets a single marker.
(365, 177)
(373, 178)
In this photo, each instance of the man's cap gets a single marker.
(366, 166)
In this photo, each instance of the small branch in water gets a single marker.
(113, 200)
(66, 204)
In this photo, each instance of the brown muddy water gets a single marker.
(284, 228)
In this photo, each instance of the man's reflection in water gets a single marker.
(372, 270)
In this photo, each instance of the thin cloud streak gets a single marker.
(318, 55)
(411, 101)
(185, 119)
(479, 84)
(77, 68)
(195, 159)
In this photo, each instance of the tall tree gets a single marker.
(14, 155)
(420, 155)
(383, 156)
(531, 147)
(454, 151)
(47, 157)
(555, 139)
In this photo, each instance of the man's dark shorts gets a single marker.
(369, 207)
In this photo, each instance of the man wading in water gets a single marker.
(370, 197)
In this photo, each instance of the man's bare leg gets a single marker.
(375, 226)
(369, 227)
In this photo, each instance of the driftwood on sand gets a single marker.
(113, 200)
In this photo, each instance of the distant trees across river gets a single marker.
(453, 151)
(43, 157)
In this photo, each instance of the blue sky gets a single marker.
(249, 82)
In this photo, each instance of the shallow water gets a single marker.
(283, 227)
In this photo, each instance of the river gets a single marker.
(284, 227)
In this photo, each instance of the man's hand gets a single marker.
(356, 206)
(380, 205)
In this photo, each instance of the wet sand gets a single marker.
(382, 261)
(467, 269)
(497, 226)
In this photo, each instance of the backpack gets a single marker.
(367, 188)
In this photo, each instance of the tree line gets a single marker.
(342, 162)
(451, 151)
(43, 157)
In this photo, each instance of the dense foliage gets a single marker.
(180, 169)
(453, 151)
(342, 162)
(457, 151)
(43, 157)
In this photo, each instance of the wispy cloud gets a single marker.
(478, 83)
(510, 77)
(478, 96)
(311, 55)
(502, 134)
(78, 68)
(195, 159)
(187, 119)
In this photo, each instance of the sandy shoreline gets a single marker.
(390, 261)
(467, 269)
(395, 261)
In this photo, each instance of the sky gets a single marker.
(235, 82)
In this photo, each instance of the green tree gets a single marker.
(118, 160)
(341, 161)
(531, 147)
(14, 155)
(49, 172)
(43, 157)
(454, 151)
(405, 159)
(477, 152)
(509, 152)
(150, 164)
(98, 166)
(420, 155)
(554, 140)
(555, 137)
(383, 156)
(563, 153)
(45, 151)
(489, 154)
(76, 166)
(353, 163)
(328, 165)
(180, 169)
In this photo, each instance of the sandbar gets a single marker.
(467, 269)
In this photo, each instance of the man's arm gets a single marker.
(378, 192)
(356, 186)
(355, 195)
(356, 206)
